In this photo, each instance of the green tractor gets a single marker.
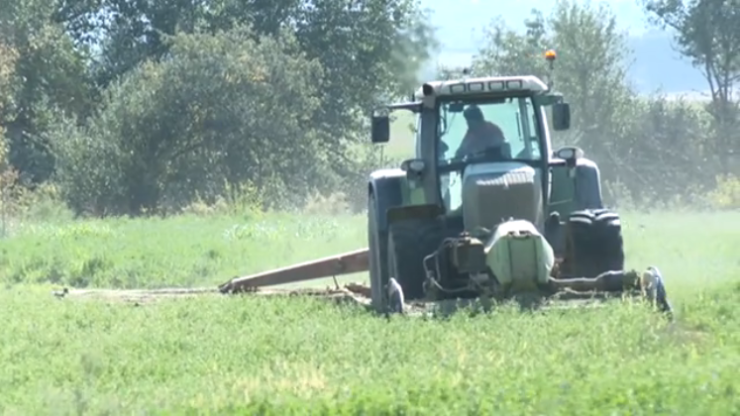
(487, 209)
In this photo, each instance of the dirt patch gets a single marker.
(353, 294)
(350, 293)
(139, 296)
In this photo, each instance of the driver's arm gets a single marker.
(463, 149)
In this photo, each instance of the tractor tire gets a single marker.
(594, 243)
(608, 230)
(408, 243)
(378, 253)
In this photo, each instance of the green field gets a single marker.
(295, 356)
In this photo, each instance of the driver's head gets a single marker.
(473, 116)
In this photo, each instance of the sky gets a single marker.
(453, 18)
(460, 24)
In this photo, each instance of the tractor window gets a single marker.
(485, 131)
(505, 124)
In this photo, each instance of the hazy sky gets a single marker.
(460, 25)
(463, 20)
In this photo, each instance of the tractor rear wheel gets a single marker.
(409, 242)
(609, 229)
(378, 252)
(594, 243)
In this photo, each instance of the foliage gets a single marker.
(81, 59)
(649, 150)
(48, 78)
(7, 175)
(251, 114)
(373, 49)
(8, 56)
(707, 33)
(158, 107)
(727, 193)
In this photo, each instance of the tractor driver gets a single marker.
(481, 134)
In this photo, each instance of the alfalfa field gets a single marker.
(247, 355)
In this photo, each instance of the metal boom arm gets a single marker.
(346, 263)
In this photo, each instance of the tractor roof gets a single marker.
(473, 86)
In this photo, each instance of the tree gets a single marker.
(648, 148)
(369, 50)
(507, 52)
(49, 77)
(590, 69)
(218, 112)
(7, 176)
(7, 64)
(126, 33)
(367, 47)
(708, 33)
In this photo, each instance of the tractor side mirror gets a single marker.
(414, 169)
(381, 129)
(560, 116)
(570, 154)
(413, 166)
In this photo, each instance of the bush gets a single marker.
(726, 196)
(222, 110)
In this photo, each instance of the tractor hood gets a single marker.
(496, 192)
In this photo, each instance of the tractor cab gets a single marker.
(496, 130)
(486, 205)
(485, 209)
(474, 133)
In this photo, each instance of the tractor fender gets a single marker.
(395, 201)
(564, 197)
(588, 185)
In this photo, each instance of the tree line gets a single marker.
(652, 150)
(135, 107)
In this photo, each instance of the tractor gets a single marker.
(487, 208)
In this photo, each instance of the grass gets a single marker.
(296, 356)
(182, 251)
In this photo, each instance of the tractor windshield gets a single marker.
(494, 130)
